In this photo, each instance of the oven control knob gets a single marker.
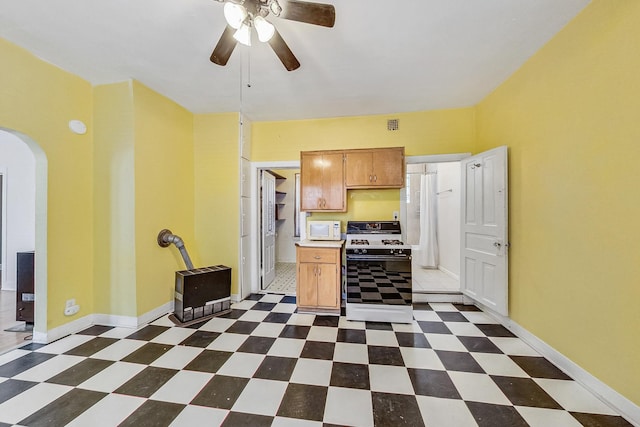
(364, 251)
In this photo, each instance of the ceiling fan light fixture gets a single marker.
(235, 14)
(264, 28)
(243, 34)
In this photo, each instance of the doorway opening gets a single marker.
(432, 204)
(279, 224)
(23, 168)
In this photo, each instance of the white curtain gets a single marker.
(428, 254)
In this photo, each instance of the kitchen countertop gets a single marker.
(321, 243)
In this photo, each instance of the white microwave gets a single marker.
(323, 230)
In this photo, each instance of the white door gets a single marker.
(484, 240)
(268, 183)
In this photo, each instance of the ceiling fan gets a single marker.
(242, 15)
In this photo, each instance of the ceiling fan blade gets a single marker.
(311, 13)
(281, 49)
(225, 47)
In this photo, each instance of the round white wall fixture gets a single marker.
(77, 127)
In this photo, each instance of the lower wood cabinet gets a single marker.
(318, 278)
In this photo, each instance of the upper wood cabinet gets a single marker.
(375, 168)
(322, 181)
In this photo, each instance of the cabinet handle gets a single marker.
(375, 178)
(370, 178)
(317, 257)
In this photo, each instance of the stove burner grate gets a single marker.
(359, 242)
(391, 242)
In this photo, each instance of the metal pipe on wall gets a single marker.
(165, 238)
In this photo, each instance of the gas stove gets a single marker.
(378, 272)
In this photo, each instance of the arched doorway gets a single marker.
(40, 233)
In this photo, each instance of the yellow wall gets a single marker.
(217, 190)
(571, 119)
(421, 133)
(365, 205)
(164, 193)
(38, 100)
(114, 200)
(427, 132)
(140, 179)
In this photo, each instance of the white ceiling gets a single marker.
(381, 57)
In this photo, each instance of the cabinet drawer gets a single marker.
(329, 256)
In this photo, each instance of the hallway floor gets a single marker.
(10, 340)
(285, 280)
(432, 279)
(264, 364)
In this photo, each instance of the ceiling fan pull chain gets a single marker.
(249, 68)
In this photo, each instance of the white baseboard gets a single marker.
(115, 320)
(449, 273)
(101, 319)
(602, 391)
(438, 297)
(152, 315)
(9, 285)
(63, 330)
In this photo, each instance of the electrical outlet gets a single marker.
(70, 311)
(70, 303)
(395, 215)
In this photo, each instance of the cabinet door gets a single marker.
(388, 167)
(310, 181)
(307, 285)
(358, 169)
(327, 293)
(333, 192)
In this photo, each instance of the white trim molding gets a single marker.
(62, 331)
(89, 320)
(629, 410)
(452, 297)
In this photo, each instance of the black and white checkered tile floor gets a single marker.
(263, 364)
